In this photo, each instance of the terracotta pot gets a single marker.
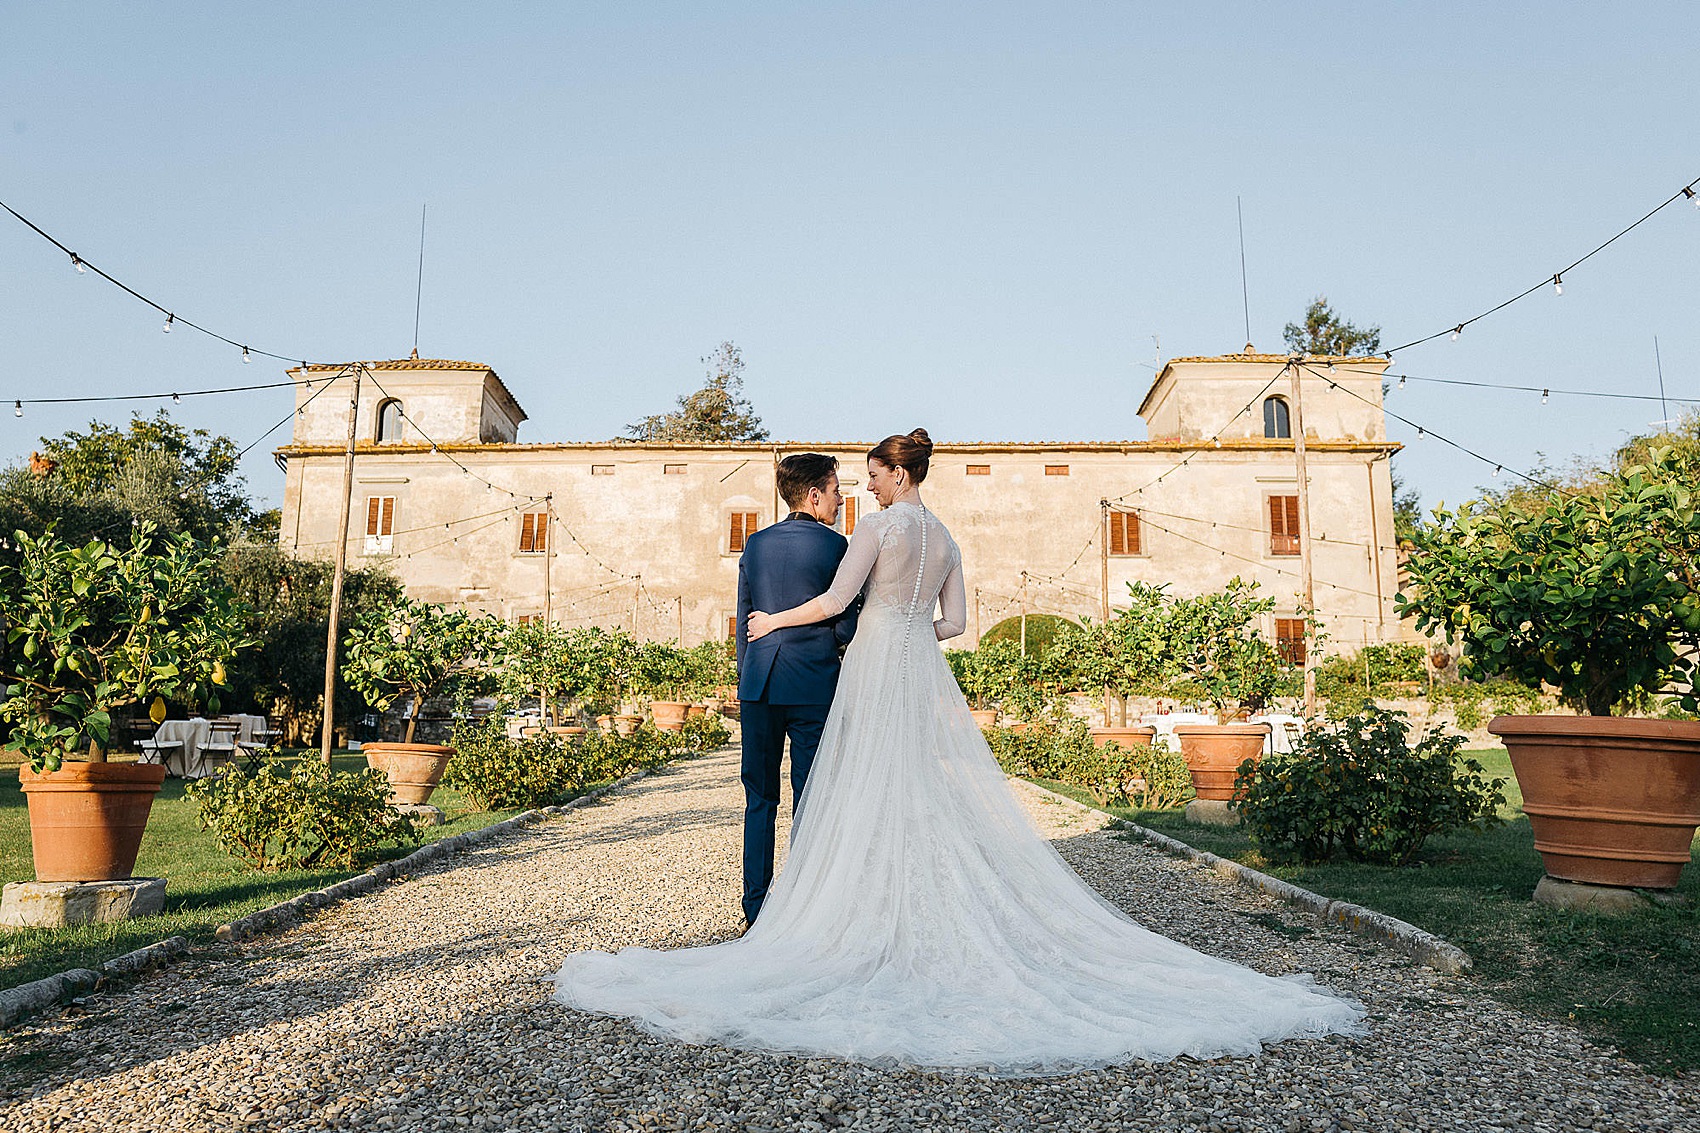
(567, 730)
(1214, 752)
(1018, 727)
(984, 717)
(625, 724)
(414, 770)
(86, 819)
(1140, 735)
(669, 714)
(696, 710)
(1612, 801)
(713, 703)
(605, 724)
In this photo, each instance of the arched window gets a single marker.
(1275, 420)
(389, 420)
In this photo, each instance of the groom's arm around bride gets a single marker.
(786, 680)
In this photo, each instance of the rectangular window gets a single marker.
(672, 469)
(528, 619)
(731, 627)
(380, 524)
(744, 524)
(602, 470)
(1124, 533)
(1283, 525)
(846, 524)
(979, 470)
(1290, 640)
(1056, 470)
(534, 533)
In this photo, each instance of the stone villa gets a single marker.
(647, 536)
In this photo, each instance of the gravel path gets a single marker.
(420, 1007)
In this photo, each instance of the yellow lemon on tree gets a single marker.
(218, 672)
(156, 710)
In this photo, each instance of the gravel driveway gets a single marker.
(421, 1007)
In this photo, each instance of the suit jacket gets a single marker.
(785, 565)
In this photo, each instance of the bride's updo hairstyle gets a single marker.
(910, 452)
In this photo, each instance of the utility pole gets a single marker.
(545, 710)
(335, 626)
(1023, 593)
(1104, 556)
(637, 592)
(548, 558)
(681, 600)
(1305, 575)
(976, 617)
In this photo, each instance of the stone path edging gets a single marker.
(26, 999)
(1422, 946)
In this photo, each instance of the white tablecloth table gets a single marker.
(253, 728)
(185, 762)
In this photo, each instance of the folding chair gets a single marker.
(222, 746)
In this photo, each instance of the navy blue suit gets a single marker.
(786, 679)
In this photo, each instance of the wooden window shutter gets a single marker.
(1283, 525)
(979, 470)
(373, 505)
(849, 517)
(1056, 470)
(1290, 639)
(743, 526)
(732, 626)
(540, 532)
(527, 532)
(1124, 533)
(386, 524)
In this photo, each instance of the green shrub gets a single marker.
(1470, 700)
(1340, 678)
(702, 734)
(308, 817)
(1358, 789)
(1148, 777)
(1041, 629)
(495, 772)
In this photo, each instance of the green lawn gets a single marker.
(1628, 981)
(205, 887)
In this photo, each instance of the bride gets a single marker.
(919, 918)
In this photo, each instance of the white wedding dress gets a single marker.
(919, 918)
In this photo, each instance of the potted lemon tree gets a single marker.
(90, 629)
(1597, 593)
(412, 652)
(1220, 657)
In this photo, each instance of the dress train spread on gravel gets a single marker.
(920, 918)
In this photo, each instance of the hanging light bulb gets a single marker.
(177, 399)
(1419, 430)
(1401, 381)
(1456, 331)
(1330, 367)
(77, 262)
(1693, 197)
(1496, 470)
(1558, 285)
(1544, 397)
(246, 357)
(169, 319)
(17, 409)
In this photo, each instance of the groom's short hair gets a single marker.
(804, 470)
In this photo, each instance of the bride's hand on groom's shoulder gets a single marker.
(758, 626)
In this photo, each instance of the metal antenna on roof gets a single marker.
(419, 288)
(1245, 291)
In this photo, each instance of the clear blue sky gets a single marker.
(968, 216)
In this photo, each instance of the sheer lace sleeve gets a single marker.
(953, 605)
(853, 569)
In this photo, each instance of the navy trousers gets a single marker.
(765, 728)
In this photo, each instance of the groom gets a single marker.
(786, 679)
